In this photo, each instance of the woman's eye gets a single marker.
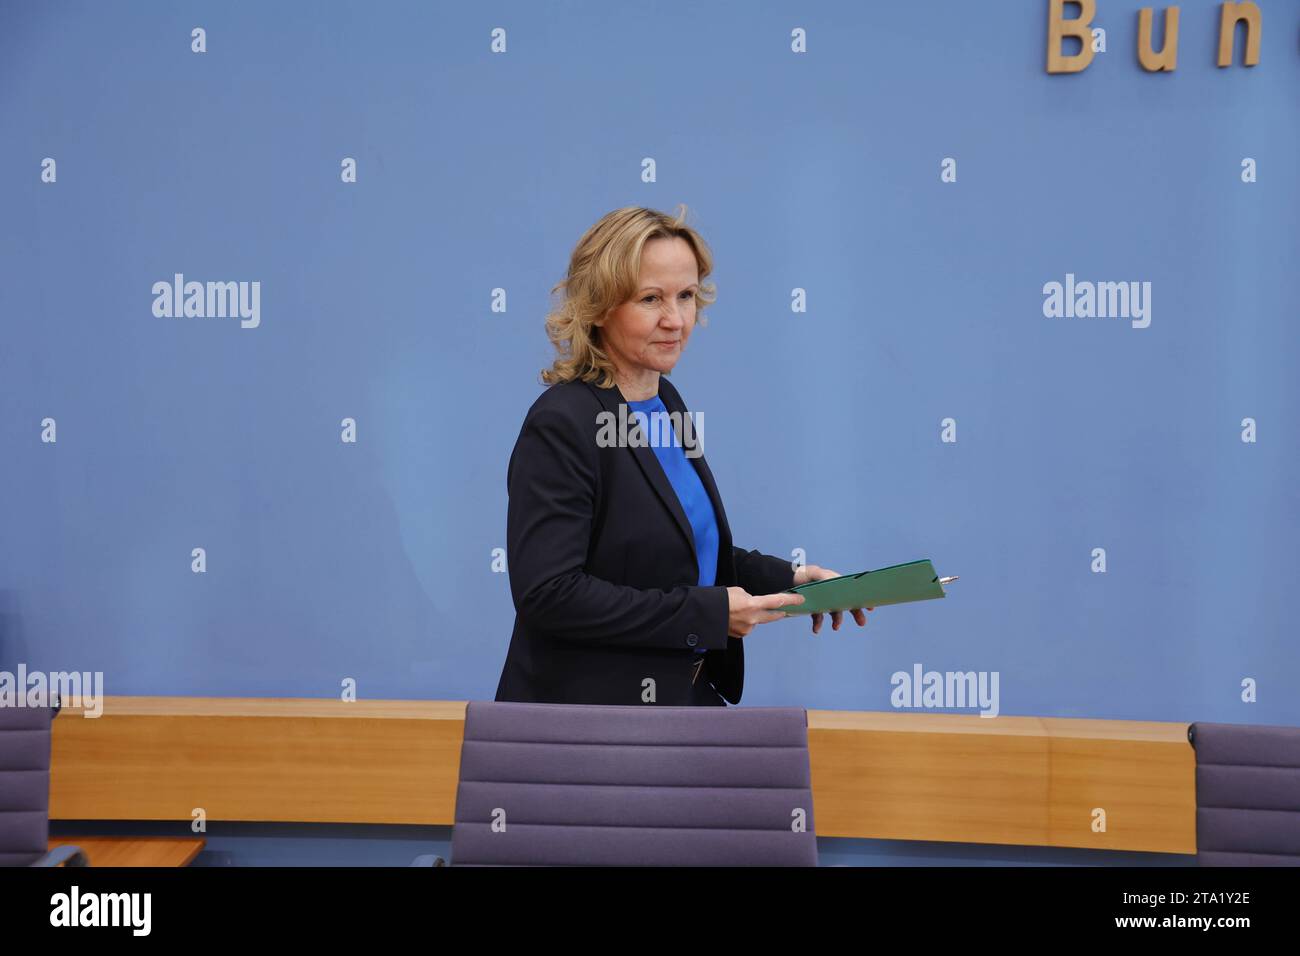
(688, 293)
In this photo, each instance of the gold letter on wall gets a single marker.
(1167, 58)
(1058, 28)
(1232, 13)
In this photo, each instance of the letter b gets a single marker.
(1058, 28)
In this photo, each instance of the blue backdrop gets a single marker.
(478, 170)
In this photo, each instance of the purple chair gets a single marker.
(25, 790)
(586, 784)
(1247, 794)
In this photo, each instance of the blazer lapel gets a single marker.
(610, 399)
(724, 668)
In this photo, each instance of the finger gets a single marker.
(780, 600)
(837, 617)
(860, 617)
(817, 622)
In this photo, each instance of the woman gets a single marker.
(626, 585)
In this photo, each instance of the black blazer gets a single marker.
(603, 570)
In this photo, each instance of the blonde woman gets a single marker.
(626, 584)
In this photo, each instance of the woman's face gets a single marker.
(648, 332)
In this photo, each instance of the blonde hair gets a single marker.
(603, 274)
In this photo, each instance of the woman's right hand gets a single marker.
(747, 611)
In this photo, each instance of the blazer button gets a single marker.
(692, 640)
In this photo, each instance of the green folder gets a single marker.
(897, 584)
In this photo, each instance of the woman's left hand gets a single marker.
(811, 572)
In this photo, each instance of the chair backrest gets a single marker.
(24, 783)
(1247, 794)
(587, 784)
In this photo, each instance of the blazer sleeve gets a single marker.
(762, 573)
(553, 485)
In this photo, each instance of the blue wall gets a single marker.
(479, 171)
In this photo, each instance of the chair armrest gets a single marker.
(66, 855)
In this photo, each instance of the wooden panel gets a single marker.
(1145, 782)
(929, 777)
(135, 851)
(310, 761)
(1016, 780)
(898, 776)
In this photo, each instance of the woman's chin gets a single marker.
(665, 364)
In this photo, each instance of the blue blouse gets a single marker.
(686, 483)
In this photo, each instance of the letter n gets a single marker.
(1228, 19)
